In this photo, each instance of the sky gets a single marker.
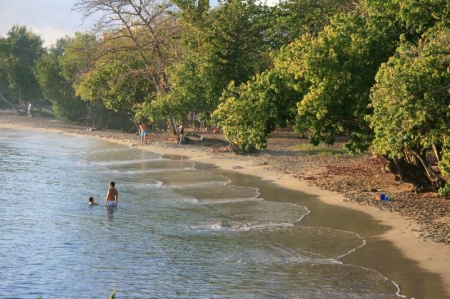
(50, 19)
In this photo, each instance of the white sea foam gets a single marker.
(227, 200)
(154, 170)
(179, 200)
(156, 184)
(108, 150)
(110, 171)
(195, 185)
(126, 162)
(234, 226)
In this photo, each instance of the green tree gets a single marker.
(21, 49)
(334, 73)
(419, 16)
(4, 84)
(116, 83)
(225, 44)
(60, 72)
(146, 30)
(291, 19)
(411, 18)
(328, 76)
(410, 102)
(250, 112)
(55, 87)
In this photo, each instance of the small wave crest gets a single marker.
(227, 200)
(126, 162)
(154, 170)
(195, 185)
(234, 226)
(152, 185)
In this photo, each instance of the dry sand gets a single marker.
(430, 256)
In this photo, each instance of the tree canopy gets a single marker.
(18, 54)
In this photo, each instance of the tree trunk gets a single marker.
(10, 104)
(432, 176)
(399, 170)
(172, 126)
(436, 153)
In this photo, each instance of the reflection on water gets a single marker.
(109, 211)
(179, 232)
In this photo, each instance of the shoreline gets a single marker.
(432, 257)
(403, 233)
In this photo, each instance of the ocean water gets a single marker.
(179, 231)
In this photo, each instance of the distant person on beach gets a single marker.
(92, 201)
(180, 133)
(30, 113)
(143, 130)
(112, 197)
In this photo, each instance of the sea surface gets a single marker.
(180, 230)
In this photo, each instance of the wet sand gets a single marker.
(422, 269)
(379, 254)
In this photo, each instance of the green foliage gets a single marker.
(19, 51)
(4, 84)
(335, 71)
(225, 45)
(419, 16)
(410, 98)
(140, 40)
(55, 87)
(119, 90)
(79, 56)
(191, 87)
(444, 166)
(250, 112)
(235, 41)
(291, 19)
(411, 17)
(108, 80)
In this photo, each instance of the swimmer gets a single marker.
(92, 202)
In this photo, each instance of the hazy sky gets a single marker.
(51, 19)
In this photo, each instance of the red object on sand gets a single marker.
(215, 131)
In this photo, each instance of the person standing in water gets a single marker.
(112, 197)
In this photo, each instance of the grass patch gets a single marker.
(321, 150)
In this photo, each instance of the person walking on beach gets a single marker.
(143, 130)
(30, 113)
(112, 197)
(180, 134)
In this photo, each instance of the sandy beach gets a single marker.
(404, 232)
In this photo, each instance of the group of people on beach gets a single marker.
(111, 198)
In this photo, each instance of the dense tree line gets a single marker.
(376, 71)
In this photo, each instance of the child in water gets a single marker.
(92, 202)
